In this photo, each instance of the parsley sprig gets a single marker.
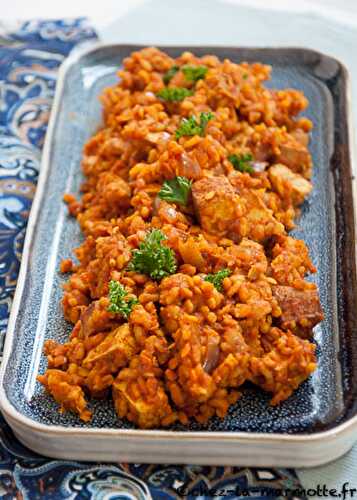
(176, 190)
(217, 278)
(194, 73)
(190, 126)
(170, 74)
(152, 258)
(242, 163)
(120, 301)
(174, 94)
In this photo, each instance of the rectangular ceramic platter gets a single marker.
(314, 425)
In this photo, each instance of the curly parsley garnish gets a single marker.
(217, 278)
(190, 126)
(120, 301)
(170, 74)
(174, 94)
(152, 258)
(176, 190)
(194, 73)
(242, 163)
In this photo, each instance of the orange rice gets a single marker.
(187, 347)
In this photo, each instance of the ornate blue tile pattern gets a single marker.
(30, 55)
(29, 59)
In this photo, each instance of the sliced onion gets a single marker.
(158, 137)
(87, 328)
(190, 168)
(156, 204)
(212, 354)
(191, 253)
(259, 166)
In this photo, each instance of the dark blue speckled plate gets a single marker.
(322, 411)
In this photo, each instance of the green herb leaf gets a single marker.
(217, 278)
(245, 76)
(120, 301)
(190, 126)
(204, 119)
(176, 190)
(194, 73)
(170, 74)
(152, 258)
(174, 94)
(242, 163)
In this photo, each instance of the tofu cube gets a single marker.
(288, 184)
(216, 204)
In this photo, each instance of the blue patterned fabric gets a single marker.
(30, 54)
(29, 59)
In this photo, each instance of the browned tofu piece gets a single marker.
(221, 210)
(257, 222)
(301, 136)
(295, 156)
(301, 309)
(118, 347)
(92, 320)
(216, 203)
(289, 185)
(280, 371)
(61, 385)
(142, 400)
(234, 368)
(251, 257)
(114, 190)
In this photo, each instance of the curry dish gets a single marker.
(187, 283)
